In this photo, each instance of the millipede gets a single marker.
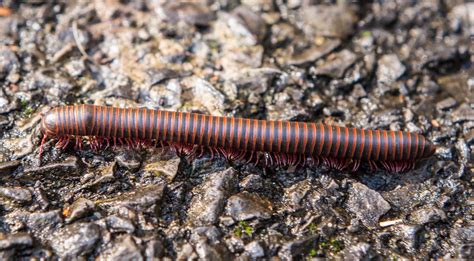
(272, 142)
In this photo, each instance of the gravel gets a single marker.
(210, 197)
(245, 206)
(19, 241)
(399, 65)
(367, 204)
(75, 240)
(15, 194)
(80, 208)
(389, 69)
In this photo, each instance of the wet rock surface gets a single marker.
(404, 65)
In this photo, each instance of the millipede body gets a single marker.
(283, 140)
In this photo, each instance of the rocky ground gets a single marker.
(399, 65)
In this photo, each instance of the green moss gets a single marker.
(312, 228)
(23, 103)
(312, 253)
(26, 109)
(243, 228)
(326, 248)
(366, 33)
(335, 245)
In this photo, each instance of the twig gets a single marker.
(78, 43)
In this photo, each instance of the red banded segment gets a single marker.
(236, 133)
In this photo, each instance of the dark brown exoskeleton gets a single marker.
(285, 142)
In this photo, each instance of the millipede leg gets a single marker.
(298, 160)
(107, 143)
(59, 142)
(76, 145)
(315, 160)
(355, 165)
(272, 158)
(129, 143)
(212, 154)
(373, 165)
(43, 141)
(66, 142)
(222, 153)
(257, 159)
(242, 155)
(277, 159)
(250, 158)
(90, 142)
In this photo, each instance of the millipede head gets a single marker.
(49, 123)
(431, 149)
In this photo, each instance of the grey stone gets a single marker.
(245, 206)
(8, 166)
(358, 91)
(367, 204)
(145, 199)
(469, 137)
(79, 209)
(252, 182)
(118, 224)
(205, 96)
(124, 248)
(16, 194)
(167, 94)
(154, 249)
(210, 233)
(313, 53)
(157, 76)
(20, 146)
(360, 251)
(389, 69)
(328, 20)
(446, 104)
(410, 236)
(428, 215)
(186, 252)
(298, 247)
(78, 239)
(464, 156)
(336, 64)
(162, 165)
(255, 250)
(40, 224)
(445, 153)
(463, 113)
(189, 12)
(129, 159)
(75, 68)
(250, 24)
(68, 166)
(255, 80)
(209, 198)
(462, 235)
(18, 240)
(212, 252)
(296, 193)
(9, 63)
(461, 16)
